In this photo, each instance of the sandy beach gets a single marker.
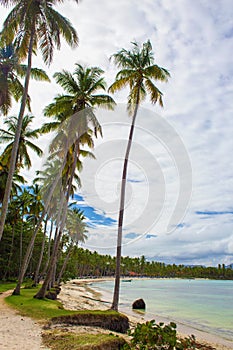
(80, 295)
(19, 332)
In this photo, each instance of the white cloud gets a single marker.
(193, 39)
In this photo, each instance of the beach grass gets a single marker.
(42, 309)
(60, 340)
(5, 286)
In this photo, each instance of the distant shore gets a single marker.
(80, 294)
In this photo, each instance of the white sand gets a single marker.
(18, 332)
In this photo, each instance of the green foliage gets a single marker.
(152, 336)
(6, 286)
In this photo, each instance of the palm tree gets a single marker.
(23, 158)
(29, 25)
(76, 228)
(82, 95)
(138, 72)
(11, 70)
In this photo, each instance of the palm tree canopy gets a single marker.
(11, 70)
(39, 17)
(75, 225)
(81, 89)
(138, 72)
(17, 180)
(27, 134)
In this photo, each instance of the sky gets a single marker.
(179, 202)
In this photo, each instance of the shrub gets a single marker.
(152, 336)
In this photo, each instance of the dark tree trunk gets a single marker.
(116, 293)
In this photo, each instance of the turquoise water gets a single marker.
(201, 304)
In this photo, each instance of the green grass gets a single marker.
(4, 286)
(43, 309)
(60, 340)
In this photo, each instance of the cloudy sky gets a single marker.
(194, 41)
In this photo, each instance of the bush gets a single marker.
(152, 336)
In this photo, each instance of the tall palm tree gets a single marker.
(31, 24)
(11, 70)
(25, 143)
(81, 88)
(138, 72)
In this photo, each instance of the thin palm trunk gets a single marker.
(116, 293)
(31, 243)
(17, 137)
(7, 270)
(64, 264)
(36, 277)
(49, 249)
(41, 293)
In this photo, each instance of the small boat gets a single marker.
(126, 281)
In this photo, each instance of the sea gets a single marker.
(201, 304)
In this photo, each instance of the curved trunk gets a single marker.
(41, 293)
(64, 264)
(36, 277)
(115, 301)
(31, 243)
(49, 248)
(17, 137)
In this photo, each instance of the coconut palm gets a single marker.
(138, 72)
(76, 229)
(76, 107)
(25, 143)
(11, 70)
(32, 24)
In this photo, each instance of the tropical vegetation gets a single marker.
(42, 226)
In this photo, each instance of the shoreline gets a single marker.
(80, 294)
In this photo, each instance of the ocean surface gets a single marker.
(206, 305)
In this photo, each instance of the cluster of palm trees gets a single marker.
(33, 25)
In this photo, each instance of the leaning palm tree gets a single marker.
(11, 70)
(138, 72)
(25, 143)
(82, 94)
(32, 24)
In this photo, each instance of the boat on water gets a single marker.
(126, 280)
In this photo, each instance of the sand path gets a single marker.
(18, 332)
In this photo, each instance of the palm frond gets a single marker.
(154, 92)
(119, 84)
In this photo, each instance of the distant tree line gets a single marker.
(83, 262)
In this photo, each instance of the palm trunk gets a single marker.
(17, 137)
(49, 248)
(36, 277)
(31, 243)
(10, 254)
(115, 301)
(41, 293)
(64, 264)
